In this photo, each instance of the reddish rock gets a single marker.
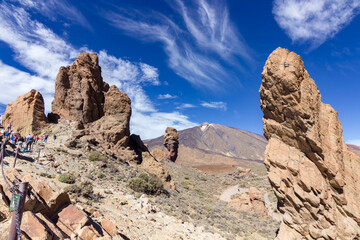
(49, 193)
(314, 176)
(26, 114)
(102, 112)
(32, 226)
(79, 90)
(88, 233)
(171, 142)
(71, 220)
(109, 227)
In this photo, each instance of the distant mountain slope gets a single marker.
(215, 144)
(353, 148)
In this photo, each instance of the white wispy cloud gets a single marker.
(200, 50)
(54, 8)
(354, 142)
(186, 105)
(42, 52)
(216, 105)
(166, 96)
(313, 22)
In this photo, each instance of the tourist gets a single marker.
(29, 141)
(9, 127)
(7, 135)
(45, 138)
(54, 137)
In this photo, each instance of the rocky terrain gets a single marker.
(213, 147)
(97, 181)
(313, 174)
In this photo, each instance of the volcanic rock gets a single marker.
(314, 176)
(79, 90)
(250, 201)
(171, 142)
(26, 113)
(113, 129)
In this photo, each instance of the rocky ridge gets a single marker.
(314, 176)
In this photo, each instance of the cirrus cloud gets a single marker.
(313, 22)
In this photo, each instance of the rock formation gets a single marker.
(314, 176)
(171, 142)
(113, 129)
(250, 201)
(104, 112)
(26, 113)
(79, 90)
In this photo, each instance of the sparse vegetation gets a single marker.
(101, 175)
(96, 156)
(85, 189)
(45, 175)
(149, 184)
(68, 178)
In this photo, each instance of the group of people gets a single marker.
(25, 144)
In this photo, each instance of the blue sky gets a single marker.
(185, 62)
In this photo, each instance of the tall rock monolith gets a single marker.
(26, 113)
(79, 90)
(314, 176)
(171, 142)
(81, 95)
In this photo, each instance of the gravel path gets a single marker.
(227, 193)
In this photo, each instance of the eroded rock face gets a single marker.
(171, 142)
(102, 112)
(26, 113)
(314, 176)
(79, 90)
(113, 129)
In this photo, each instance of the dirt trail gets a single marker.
(227, 193)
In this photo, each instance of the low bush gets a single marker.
(85, 189)
(68, 178)
(149, 184)
(101, 175)
(96, 156)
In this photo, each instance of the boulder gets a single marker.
(314, 176)
(33, 228)
(79, 90)
(26, 114)
(171, 142)
(71, 220)
(109, 227)
(250, 201)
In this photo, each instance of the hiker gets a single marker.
(29, 141)
(20, 143)
(37, 139)
(9, 127)
(45, 138)
(54, 137)
(7, 135)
